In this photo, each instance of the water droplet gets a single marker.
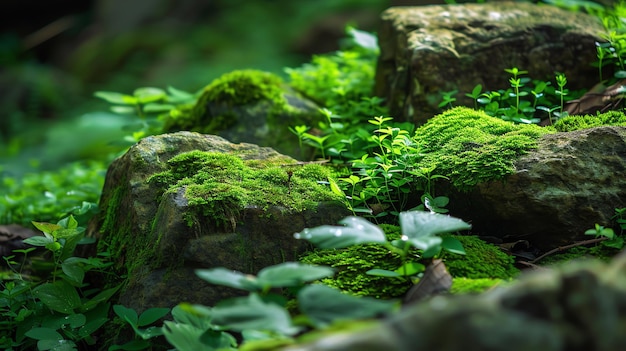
(297, 236)
(360, 227)
(338, 232)
(404, 238)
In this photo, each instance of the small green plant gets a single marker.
(420, 230)
(612, 240)
(141, 325)
(151, 106)
(263, 317)
(524, 99)
(60, 312)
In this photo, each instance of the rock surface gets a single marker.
(433, 49)
(568, 184)
(577, 308)
(157, 241)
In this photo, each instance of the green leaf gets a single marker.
(46, 227)
(116, 98)
(382, 273)
(123, 110)
(152, 315)
(325, 305)
(364, 39)
(356, 231)
(58, 296)
(127, 314)
(252, 312)
(56, 345)
(230, 278)
(102, 296)
(148, 94)
(410, 268)
(38, 241)
(74, 273)
(185, 337)
(43, 334)
(335, 188)
(196, 315)
(417, 224)
(453, 245)
(290, 274)
(154, 107)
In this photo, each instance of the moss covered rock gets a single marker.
(249, 106)
(180, 201)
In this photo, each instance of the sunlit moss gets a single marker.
(219, 186)
(482, 260)
(571, 123)
(470, 147)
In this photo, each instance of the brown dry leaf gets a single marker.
(436, 280)
(599, 98)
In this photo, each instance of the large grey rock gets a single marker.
(159, 233)
(578, 308)
(568, 184)
(433, 49)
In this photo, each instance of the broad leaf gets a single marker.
(151, 315)
(148, 94)
(230, 278)
(196, 315)
(56, 345)
(410, 268)
(417, 224)
(252, 312)
(325, 305)
(43, 334)
(453, 245)
(185, 337)
(46, 227)
(58, 296)
(116, 98)
(356, 231)
(133, 345)
(73, 272)
(39, 240)
(290, 274)
(127, 314)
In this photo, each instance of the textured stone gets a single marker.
(157, 240)
(433, 49)
(569, 183)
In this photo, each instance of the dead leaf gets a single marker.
(436, 280)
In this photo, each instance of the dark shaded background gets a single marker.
(55, 54)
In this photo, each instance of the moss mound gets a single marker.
(219, 186)
(482, 260)
(470, 147)
(237, 88)
(572, 123)
(483, 266)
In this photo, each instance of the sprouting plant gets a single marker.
(448, 98)
(420, 230)
(611, 240)
(142, 326)
(60, 311)
(150, 105)
(263, 316)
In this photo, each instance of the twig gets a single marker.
(563, 248)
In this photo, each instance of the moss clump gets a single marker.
(219, 186)
(482, 260)
(471, 286)
(470, 147)
(352, 263)
(572, 123)
(236, 88)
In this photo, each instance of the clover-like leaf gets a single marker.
(356, 231)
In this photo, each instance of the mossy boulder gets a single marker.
(426, 50)
(526, 182)
(249, 106)
(181, 201)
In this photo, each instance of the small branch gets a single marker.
(563, 248)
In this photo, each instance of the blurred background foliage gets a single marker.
(55, 54)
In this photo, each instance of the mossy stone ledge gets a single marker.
(181, 201)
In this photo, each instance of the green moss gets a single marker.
(482, 260)
(470, 286)
(219, 186)
(572, 123)
(471, 147)
(352, 263)
(236, 88)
